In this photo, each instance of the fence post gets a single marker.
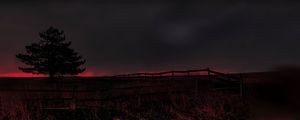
(241, 87)
(73, 101)
(196, 87)
(172, 75)
(208, 72)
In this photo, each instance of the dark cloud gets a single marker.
(117, 37)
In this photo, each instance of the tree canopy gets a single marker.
(51, 55)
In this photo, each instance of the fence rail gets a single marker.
(187, 73)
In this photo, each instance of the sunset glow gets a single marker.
(20, 74)
(87, 74)
(102, 73)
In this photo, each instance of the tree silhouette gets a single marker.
(51, 56)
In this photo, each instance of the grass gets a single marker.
(267, 96)
(208, 106)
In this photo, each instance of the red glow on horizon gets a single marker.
(21, 74)
(101, 73)
(87, 74)
(93, 74)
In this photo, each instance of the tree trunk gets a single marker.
(51, 77)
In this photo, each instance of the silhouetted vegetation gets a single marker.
(51, 56)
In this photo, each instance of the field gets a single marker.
(134, 98)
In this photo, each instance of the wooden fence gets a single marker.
(145, 84)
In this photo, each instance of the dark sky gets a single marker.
(122, 37)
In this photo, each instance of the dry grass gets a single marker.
(209, 106)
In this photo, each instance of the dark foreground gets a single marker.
(153, 98)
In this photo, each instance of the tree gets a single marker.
(51, 56)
